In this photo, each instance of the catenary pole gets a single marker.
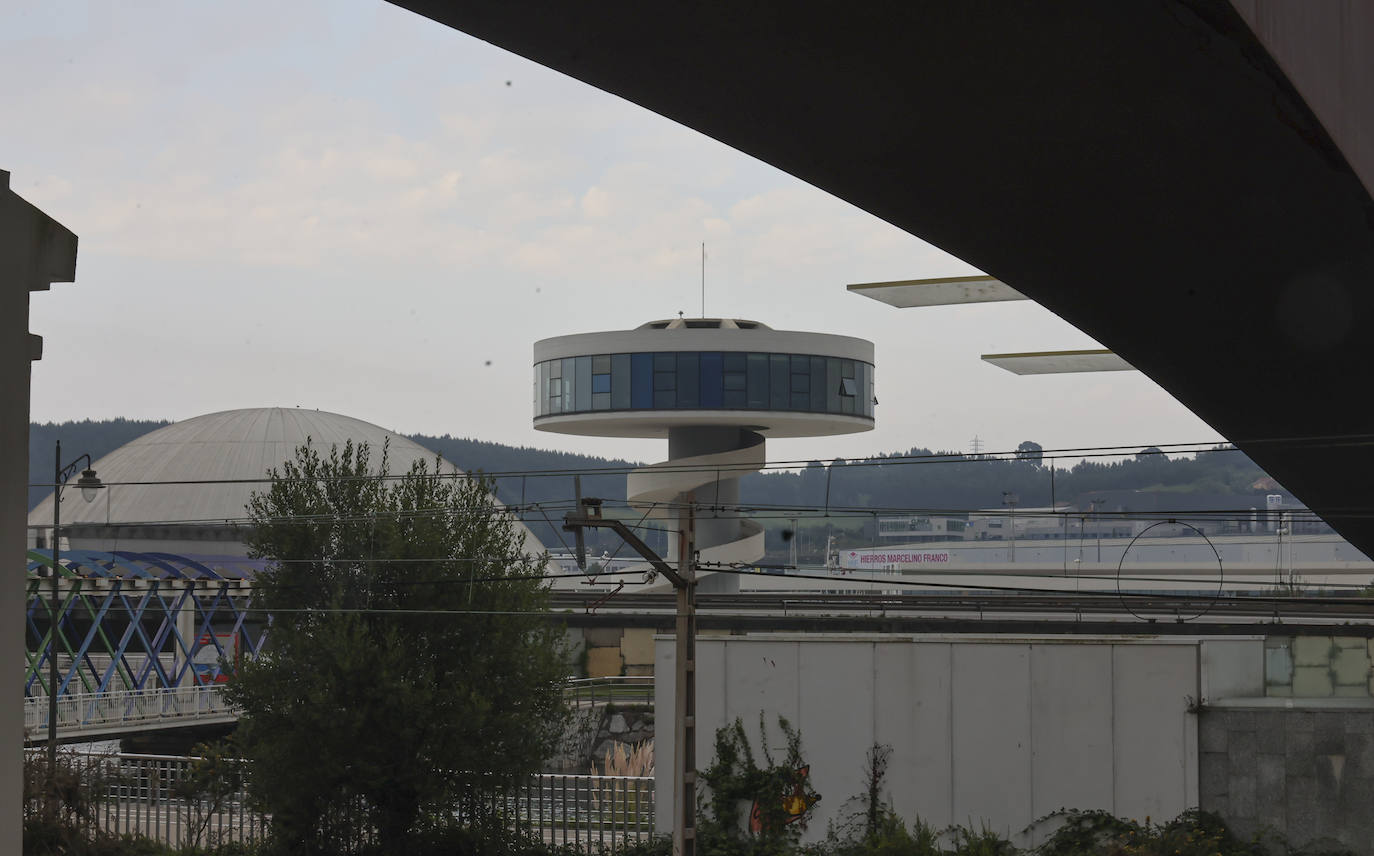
(684, 580)
(684, 724)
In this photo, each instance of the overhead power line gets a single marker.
(1083, 452)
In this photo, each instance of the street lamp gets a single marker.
(90, 488)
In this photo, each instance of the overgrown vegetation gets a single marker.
(60, 806)
(869, 826)
(216, 779)
(61, 812)
(754, 809)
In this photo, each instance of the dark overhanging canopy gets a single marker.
(1143, 169)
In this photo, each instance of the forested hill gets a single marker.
(907, 480)
(95, 438)
(549, 476)
(922, 479)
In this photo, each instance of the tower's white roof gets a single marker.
(206, 468)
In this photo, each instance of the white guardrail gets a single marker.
(94, 714)
(103, 713)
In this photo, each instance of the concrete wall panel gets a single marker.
(1232, 668)
(991, 731)
(637, 646)
(934, 733)
(763, 677)
(714, 677)
(1156, 736)
(836, 719)
(1071, 727)
(912, 699)
(991, 734)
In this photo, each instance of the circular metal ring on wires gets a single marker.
(1221, 571)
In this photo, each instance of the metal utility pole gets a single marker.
(684, 580)
(1097, 528)
(1010, 500)
(54, 605)
(685, 715)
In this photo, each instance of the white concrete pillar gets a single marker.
(186, 627)
(35, 251)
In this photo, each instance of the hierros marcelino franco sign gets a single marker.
(883, 558)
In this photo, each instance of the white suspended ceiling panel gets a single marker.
(1059, 362)
(943, 291)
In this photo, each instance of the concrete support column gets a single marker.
(35, 251)
(187, 626)
(717, 522)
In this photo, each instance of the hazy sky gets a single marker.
(345, 206)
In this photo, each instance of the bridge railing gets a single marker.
(77, 712)
(141, 794)
(623, 689)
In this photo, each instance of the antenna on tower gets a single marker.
(703, 279)
(977, 444)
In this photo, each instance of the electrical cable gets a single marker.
(1083, 452)
(1014, 589)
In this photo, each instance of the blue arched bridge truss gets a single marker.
(130, 622)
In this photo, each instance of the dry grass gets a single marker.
(636, 759)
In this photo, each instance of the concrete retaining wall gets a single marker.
(997, 731)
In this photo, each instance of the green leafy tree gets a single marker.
(1029, 450)
(409, 668)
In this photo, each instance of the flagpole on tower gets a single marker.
(703, 279)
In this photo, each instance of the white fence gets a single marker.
(140, 794)
(92, 714)
(605, 811)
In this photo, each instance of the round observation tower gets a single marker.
(715, 388)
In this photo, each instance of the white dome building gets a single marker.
(180, 489)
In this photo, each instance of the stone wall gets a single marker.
(627, 725)
(593, 730)
(1306, 774)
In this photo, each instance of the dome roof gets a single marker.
(220, 459)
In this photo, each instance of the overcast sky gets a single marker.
(344, 206)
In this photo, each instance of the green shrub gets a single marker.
(735, 783)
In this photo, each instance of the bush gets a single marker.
(777, 796)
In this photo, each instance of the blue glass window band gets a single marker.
(709, 380)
